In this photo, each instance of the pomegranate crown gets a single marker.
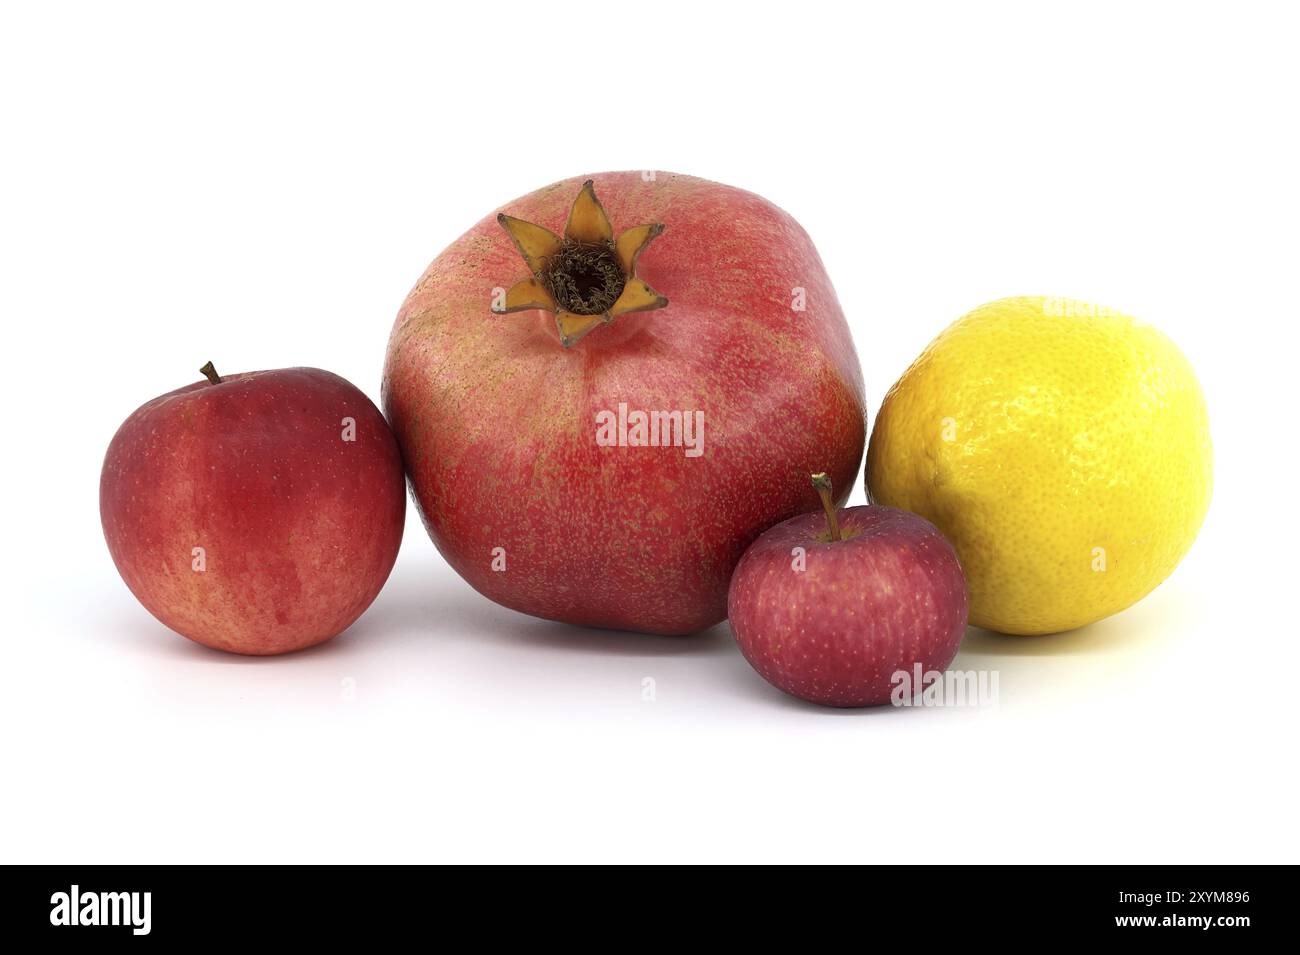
(586, 277)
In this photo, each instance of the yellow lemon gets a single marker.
(1063, 448)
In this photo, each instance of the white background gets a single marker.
(261, 184)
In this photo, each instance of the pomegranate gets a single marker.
(597, 422)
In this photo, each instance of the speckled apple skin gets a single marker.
(890, 596)
(299, 528)
(497, 421)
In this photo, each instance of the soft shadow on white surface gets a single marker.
(429, 641)
(430, 633)
(1144, 625)
(441, 706)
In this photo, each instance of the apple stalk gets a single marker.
(822, 482)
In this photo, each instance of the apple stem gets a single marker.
(822, 482)
(210, 373)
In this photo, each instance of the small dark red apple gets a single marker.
(830, 609)
(257, 513)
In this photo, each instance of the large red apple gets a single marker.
(603, 449)
(257, 513)
(832, 609)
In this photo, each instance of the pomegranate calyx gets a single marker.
(585, 278)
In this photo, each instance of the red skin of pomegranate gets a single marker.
(299, 527)
(497, 421)
(889, 596)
